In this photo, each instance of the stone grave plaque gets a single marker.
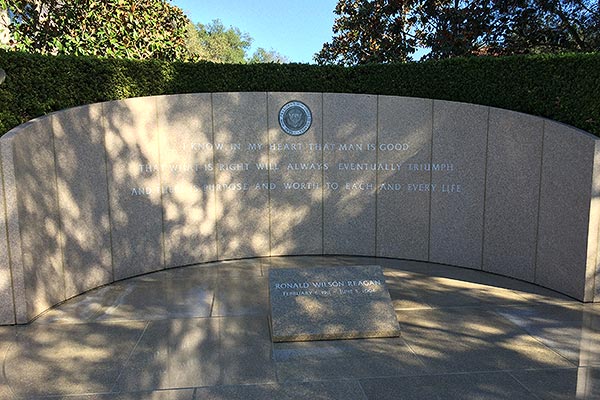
(346, 302)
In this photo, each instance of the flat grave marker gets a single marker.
(326, 303)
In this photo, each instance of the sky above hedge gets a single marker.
(296, 29)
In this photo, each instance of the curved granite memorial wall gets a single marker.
(107, 191)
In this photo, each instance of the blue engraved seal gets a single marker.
(295, 118)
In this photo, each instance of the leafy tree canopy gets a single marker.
(268, 56)
(381, 31)
(214, 42)
(139, 29)
(134, 29)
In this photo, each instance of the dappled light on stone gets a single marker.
(204, 329)
(107, 191)
(330, 303)
(145, 198)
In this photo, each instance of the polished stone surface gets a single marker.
(7, 305)
(241, 174)
(13, 231)
(38, 216)
(404, 141)
(185, 125)
(133, 164)
(327, 303)
(512, 194)
(297, 178)
(349, 194)
(458, 191)
(563, 211)
(83, 198)
(202, 332)
(114, 190)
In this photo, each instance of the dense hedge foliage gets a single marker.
(564, 87)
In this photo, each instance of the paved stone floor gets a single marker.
(202, 332)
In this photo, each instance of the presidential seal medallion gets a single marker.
(295, 118)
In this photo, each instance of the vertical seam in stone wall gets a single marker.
(214, 161)
(268, 172)
(110, 222)
(485, 175)
(322, 173)
(160, 186)
(27, 318)
(8, 252)
(592, 286)
(431, 177)
(596, 265)
(376, 252)
(20, 237)
(537, 230)
(58, 213)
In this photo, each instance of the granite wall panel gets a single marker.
(512, 195)
(14, 250)
(565, 201)
(297, 178)
(242, 174)
(592, 288)
(187, 157)
(7, 304)
(38, 215)
(404, 164)
(457, 183)
(83, 198)
(349, 195)
(135, 193)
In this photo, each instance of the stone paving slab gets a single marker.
(241, 295)
(562, 384)
(155, 337)
(178, 394)
(333, 390)
(175, 353)
(491, 386)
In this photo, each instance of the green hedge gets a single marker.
(561, 87)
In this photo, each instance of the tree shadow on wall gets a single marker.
(115, 216)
